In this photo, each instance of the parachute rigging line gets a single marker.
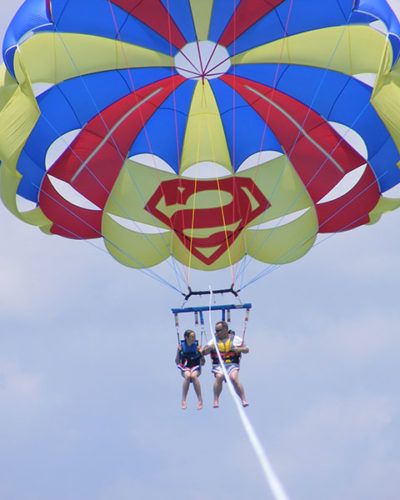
(272, 479)
(293, 202)
(231, 267)
(147, 272)
(84, 165)
(273, 267)
(129, 256)
(174, 265)
(187, 271)
(245, 262)
(299, 128)
(204, 224)
(310, 106)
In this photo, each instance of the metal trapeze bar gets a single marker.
(214, 292)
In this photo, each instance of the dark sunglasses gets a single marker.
(218, 330)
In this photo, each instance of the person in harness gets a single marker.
(189, 360)
(231, 348)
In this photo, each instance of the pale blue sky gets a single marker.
(89, 394)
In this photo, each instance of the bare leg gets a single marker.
(197, 389)
(217, 388)
(185, 388)
(234, 376)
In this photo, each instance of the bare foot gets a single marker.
(183, 405)
(216, 404)
(245, 403)
(200, 405)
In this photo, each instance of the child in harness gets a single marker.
(189, 360)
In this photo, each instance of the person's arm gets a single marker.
(178, 355)
(202, 359)
(240, 348)
(207, 349)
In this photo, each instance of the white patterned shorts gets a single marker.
(230, 367)
(184, 369)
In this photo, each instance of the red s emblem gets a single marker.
(247, 203)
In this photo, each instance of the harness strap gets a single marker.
(233, 356)
(202, 328)
(176, 316)
(246, 321)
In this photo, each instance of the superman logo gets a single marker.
(213, 228)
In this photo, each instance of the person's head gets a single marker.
(189, 336)
(221, 329)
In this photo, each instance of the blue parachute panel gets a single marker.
(292, 18)
(106, 20)
(353, 109)
(181, 13)
(31, 17)
(384, 164)
(221, 15)
(164, 133)
(71, 104)
(245, 131)
(32, 176)
(337, 98)
(332, 95)
(371, 10)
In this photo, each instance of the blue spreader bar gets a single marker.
(227, 307)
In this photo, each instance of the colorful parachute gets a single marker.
(205, 130)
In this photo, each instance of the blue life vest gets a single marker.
(189, 353)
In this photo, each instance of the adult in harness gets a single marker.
(189, 361)
(231, 347)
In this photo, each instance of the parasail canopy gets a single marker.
(202, 130)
